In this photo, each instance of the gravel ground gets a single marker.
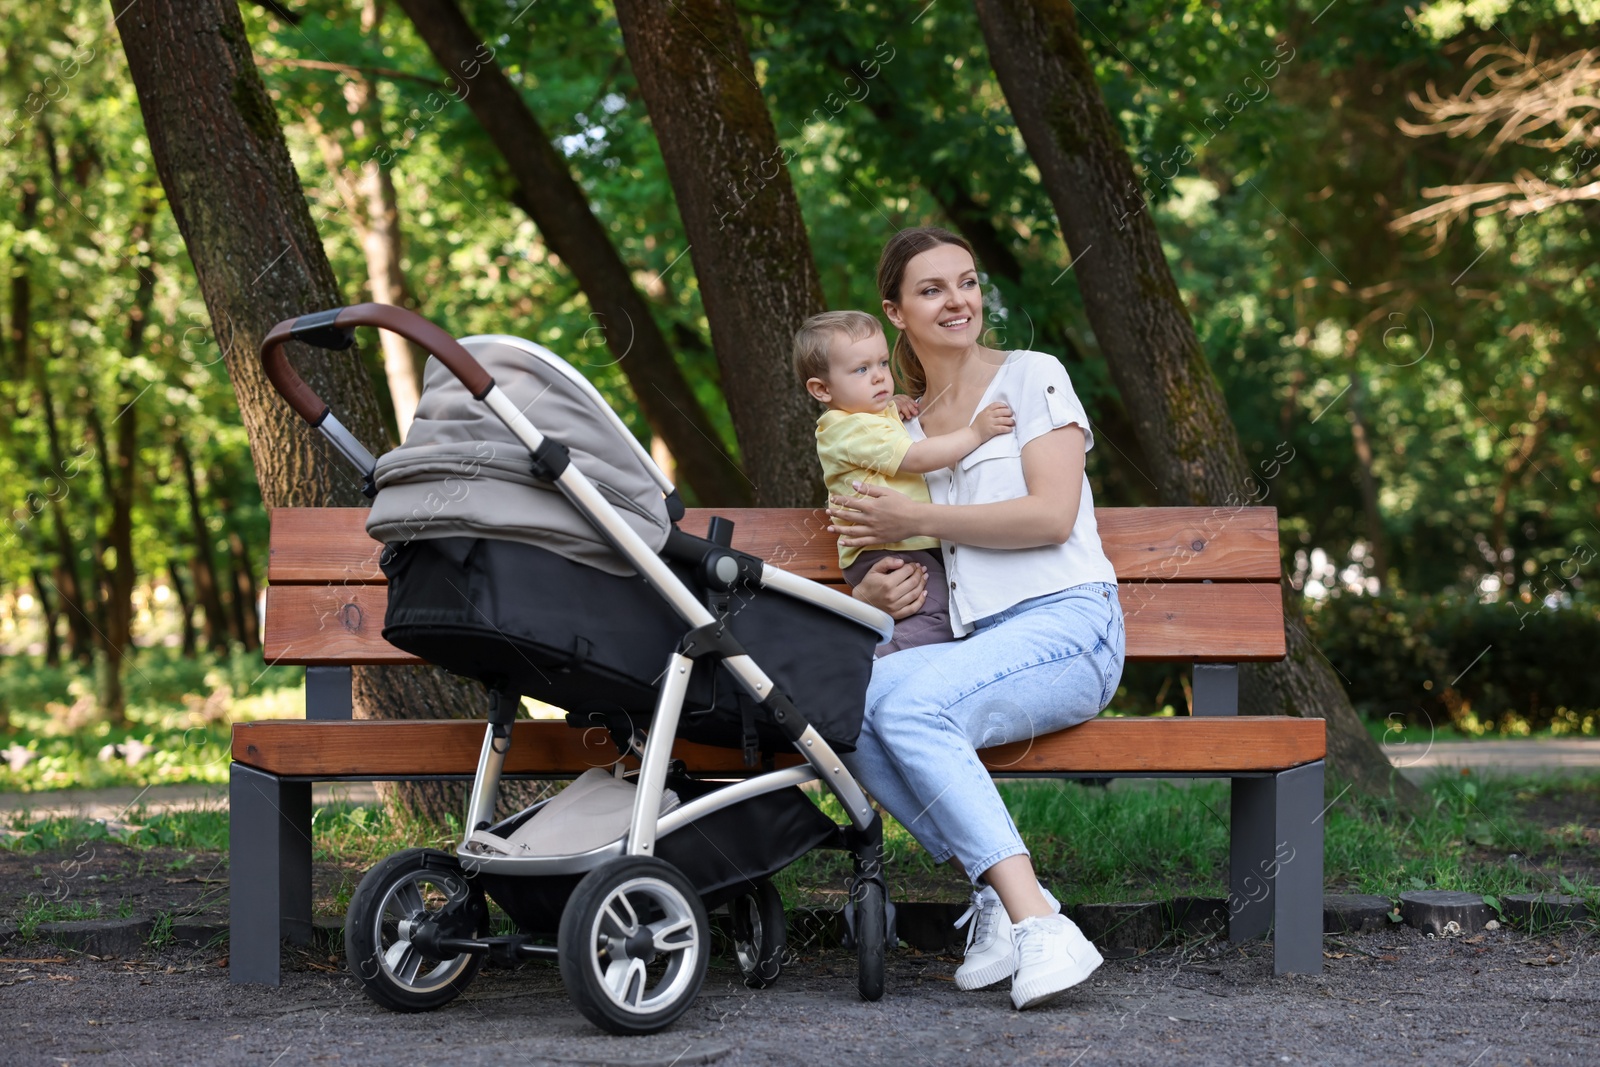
(1393, 997)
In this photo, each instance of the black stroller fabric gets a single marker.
(515, 615)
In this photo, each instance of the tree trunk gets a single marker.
(80, 635)
(98, 582)
(558, 206)
(117, 637)
(1504, 564)
(1360, 437)
(51, 612)
(369, 199)
(1144, 330)
(20, 331)
(746, 237)
(185, 611)
(222, 159)
(208, 593)
(245, 619)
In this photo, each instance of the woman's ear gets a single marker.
(893, 312)
(819, 390)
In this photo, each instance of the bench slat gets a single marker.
(328, 626)
(553, 749)
(321, 545)
(331, 625)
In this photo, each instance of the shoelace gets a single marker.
(983, 911)
(1032, 937)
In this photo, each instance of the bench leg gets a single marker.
(1297, 911)
(269, 871)
(1275, 866)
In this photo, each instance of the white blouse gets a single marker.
(984, 581)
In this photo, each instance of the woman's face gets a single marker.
(941, 304)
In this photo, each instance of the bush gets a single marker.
(1507, 668)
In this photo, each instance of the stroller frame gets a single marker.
(706, 636)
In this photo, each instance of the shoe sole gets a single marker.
(982, 977)
(1044, 990)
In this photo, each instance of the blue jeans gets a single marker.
(1037, 667)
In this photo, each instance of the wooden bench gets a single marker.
(1198, 585)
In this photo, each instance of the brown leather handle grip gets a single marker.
(333, 329)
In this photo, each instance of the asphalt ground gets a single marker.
(1500, 998)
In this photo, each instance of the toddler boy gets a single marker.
(842, 359)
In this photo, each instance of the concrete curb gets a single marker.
(1355, 913)
(1527, 909)
(1119, 929)
(1444, 914)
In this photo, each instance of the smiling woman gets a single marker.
(1037, 630)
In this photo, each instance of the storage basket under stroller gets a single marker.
(547, 562)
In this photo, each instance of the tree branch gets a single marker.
(347, 68)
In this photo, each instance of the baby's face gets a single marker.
(858, 375)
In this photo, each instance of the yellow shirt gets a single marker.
(869, 447)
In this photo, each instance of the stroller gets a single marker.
(546, 561)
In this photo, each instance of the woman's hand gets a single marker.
(894, 586)
(879, 516)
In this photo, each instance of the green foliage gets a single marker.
(179, 720)
(1267, 138)
(1500, 668)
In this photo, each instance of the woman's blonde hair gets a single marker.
(902, 248)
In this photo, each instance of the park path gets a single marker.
(1417, 760)
(113, 805)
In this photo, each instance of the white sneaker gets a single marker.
(991, 956)
(1052, 957)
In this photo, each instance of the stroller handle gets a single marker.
(335, 329)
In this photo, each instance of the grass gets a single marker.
(1155, 843)
(180, 711)
(1151, 842)
(37, 910)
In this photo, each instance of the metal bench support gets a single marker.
(330, 693)
(1275, 865)
(269, 871)
(1216, 689)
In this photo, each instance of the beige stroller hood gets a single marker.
(462, 473)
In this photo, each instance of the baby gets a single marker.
(842, 359)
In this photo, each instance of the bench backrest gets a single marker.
(1198, 585)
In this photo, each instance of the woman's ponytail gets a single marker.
(907, 367)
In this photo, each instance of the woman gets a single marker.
(1033, 601)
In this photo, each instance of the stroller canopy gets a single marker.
(462, 473)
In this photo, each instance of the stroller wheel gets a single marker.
(872, 935)
(402, 892)
(633, 945)
(760, 933)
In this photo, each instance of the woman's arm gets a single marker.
(1052, 466)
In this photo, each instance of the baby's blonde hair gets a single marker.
(812, 339)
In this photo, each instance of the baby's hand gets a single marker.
(909, 409)
(994, 420)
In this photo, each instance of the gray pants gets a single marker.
(931, 624)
